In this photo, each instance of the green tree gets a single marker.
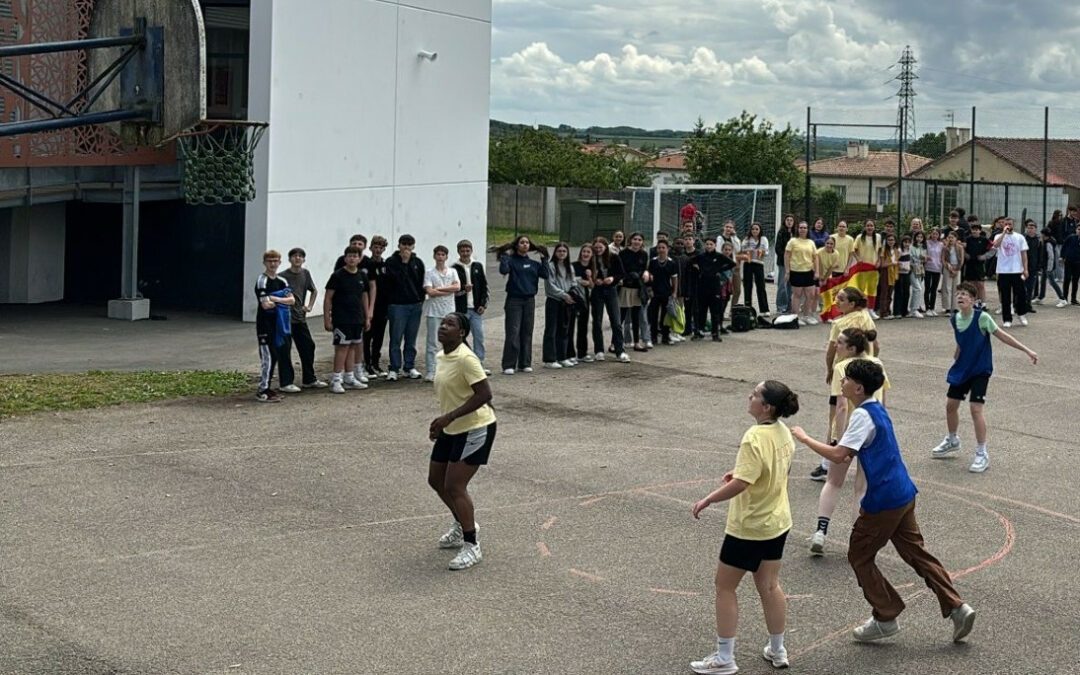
(540, 157)
(827, 203)
(929, 145)
(744, 150)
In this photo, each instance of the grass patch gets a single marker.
(25, 394)
(500, 235)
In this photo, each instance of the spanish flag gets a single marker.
(863, 276)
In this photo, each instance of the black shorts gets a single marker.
(801, 279)
(747, 554)
(974, 272)
(976, 386)
(348, 334)
(472, 447)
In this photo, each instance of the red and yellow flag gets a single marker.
(863, 276)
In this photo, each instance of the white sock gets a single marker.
(980, 449)
(336, 377)
(776, 642)
(953, 438)
(349, 378)
(725, 648)
(358, 372)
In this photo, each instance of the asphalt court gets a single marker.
(228, 536)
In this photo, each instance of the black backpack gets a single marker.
(743, 318)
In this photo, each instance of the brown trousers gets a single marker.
(870, 534)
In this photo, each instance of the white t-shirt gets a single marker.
(860, 430)
(1010, 247)
(753, 247)
(444, 304)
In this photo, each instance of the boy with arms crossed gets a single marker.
(344, 313)
(274, 344)
(305, 292)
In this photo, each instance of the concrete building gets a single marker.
(378, 114)
(669, 168)
(862, 176)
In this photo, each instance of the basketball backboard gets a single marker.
(166, 78)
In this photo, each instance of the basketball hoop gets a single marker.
(219, 161)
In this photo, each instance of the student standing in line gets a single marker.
(1070, 258)
(799, 271)
(665, 285)
(783, 286)
(1012, 271)
(523, 275)
(887, 513)
(952, 270)
(888, 270)
(1035, 260)
(976, 251)
(1048, 271)
(607, 274)
(756, 248)
(578, 329)
(560, 288)
(710, 266)
(360, 242)
(635, 263)
(973, 363)
(304, 293)
(845, 243)
(472, 299)
(344, 315)
(272, 292)
(405, 278)
(688, 284)
(373, 338)
(933, 271)
(441, 284)
(617, 242)
(819, 234)
(903, 279)
(758, 523)
(827, 262)
(918, 274)
(866, 249)
(728, 236)
(463, 434)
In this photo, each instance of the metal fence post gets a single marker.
(1046, 160)
(971, 178)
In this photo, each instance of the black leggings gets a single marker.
(933, 279)
(578, 330)
(657, 314)
(755, 273)
(635, 321)
(1072, 276)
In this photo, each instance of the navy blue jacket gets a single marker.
(523, 274)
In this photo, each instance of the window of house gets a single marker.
(884, 195)
(840, 190)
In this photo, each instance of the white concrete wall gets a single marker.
(32, 243)
(365, 137)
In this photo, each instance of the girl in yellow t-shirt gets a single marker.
(827, 260)
(758, 522)
(866, 250)
(463, 435)
(852, 345)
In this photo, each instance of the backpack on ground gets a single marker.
(743, 318)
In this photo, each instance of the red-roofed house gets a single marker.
(669, 168)
(862, 176)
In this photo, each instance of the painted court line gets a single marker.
(585, 575)
(548, 523)
(545, 552)
(668, 591)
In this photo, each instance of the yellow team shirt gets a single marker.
(827, 263)
(866, 250)
(761, 511)
(455, 374)
(844, 246)
(860, 319)
(840, 369)
(802, 254)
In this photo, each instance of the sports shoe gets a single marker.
(553, 364)
(487, 371)
(648, 344)
(336, 387)
(355, 384)
(812, 320)
(290, 389)
(624, 358)
(874, 315)
(997, 310)
(817, 543)
(1037, 301)
(392, 376)
(917, 314)
(567, 363)
(508, 371)
(803, 321)
(317, 384)
(589, 359)
(876, 630)
(468, 556)
(931, 313)
(712, 665)
(1007, 324)
(362, 376)
(819, 474)
(963, 618)
(414, 374)
(1023, 321)
(268, 396)
(1061, 303)
(980, 463)
(454, 537)
(429, 378)
(599, 356)
(778, 659)
(527, 369)
(945, 448)
(765, 314)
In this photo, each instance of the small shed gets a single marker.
(581, 220)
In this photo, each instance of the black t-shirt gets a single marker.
(375, 271)
(633, 263)
(975, 246)
(347, 305)
(662, 274)
(266, 319)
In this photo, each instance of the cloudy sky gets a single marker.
(663, 63)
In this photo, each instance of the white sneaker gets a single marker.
(997, 310)
(355, 384)
(468, 556)
(648, 344)
(778, 659)
(290, 389)
(1007, 324)
(1023, 322)
(1061, 303)
(874, 315)
(553, 364)
(817, 543)
(508, 371)
(599, 356)
(454, 537)
(876, 630)
(567, 363)
(963, 618)
(392, 376)
(527, 369)
(317, 384)
(917, 314)
(1037, 301)
(945, 448)
(429, 378)
(588, 358)
(487, 371)
(980, 463)
(803, 321)
(624, 358)
(336, 387)
(362, 377)
(931, 313)
(812, 320)
(414, 374)
(712, 665)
